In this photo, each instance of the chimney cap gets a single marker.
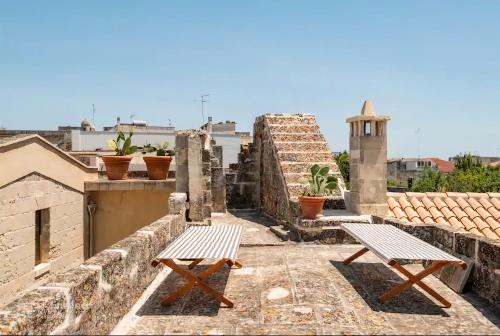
(368, 113)
(368, 109)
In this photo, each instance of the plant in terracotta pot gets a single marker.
(318, 185)
(158, 165)
(117, 165)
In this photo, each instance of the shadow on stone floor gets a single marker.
(253, 216)
(370, 280)
(193, 303)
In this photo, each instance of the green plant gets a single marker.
(125, 148)
(161, 150)
(342, 160)
(319, 183)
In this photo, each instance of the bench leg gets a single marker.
(356, 256)
(232, 263)
(195, 280)
(415, 279)
(194, 263)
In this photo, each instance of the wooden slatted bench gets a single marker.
(220, 243)
(392, 244)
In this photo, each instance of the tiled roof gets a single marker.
(443, 165)
(477, 213)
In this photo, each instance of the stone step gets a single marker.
(303, 167)
(280, 231)
(302, 146)
(295, 177)
(294, 128)
(306, 156)
(288, 119)
(297, 137)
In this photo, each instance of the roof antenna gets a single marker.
(202, 100)
(93, 115)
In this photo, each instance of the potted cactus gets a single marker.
(317, 186)
(117, 165)
(158, 165)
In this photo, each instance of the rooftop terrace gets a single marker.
(298, 288)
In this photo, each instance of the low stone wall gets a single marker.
(485, 277)
(91, 298)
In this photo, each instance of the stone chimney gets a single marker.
(368, 162)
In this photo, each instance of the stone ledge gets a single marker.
(130, 184)
(91, 298)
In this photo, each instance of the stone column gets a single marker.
(218, 181)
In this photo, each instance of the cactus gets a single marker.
(122, 149)
(319, 183)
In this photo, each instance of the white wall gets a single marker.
(230, 147)
(90, 141)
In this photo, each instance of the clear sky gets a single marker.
(430, 65)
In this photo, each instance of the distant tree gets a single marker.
(342, 160)
(469, 176)
(466, 162)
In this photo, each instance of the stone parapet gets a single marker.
(485, 253)
(93, 297)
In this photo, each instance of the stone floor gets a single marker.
(289, 288)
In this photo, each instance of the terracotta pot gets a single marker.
(157, 166)
(311, 206)
(116, 166)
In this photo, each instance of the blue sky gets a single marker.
(432, 65)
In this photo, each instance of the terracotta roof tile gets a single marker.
(495, 202)
(411, 213)
(468, 224)
(451, 203)
(495, 213)
(463, 203)
(493, 223)
(403, 201)
(424, 214)
(494, 195)
(439, 203)
(485, 203)
(392, 203)
(474, 203)
(489, 233)
(483, 213)
(435, 212)
(480, 224)
(477, 213)
(416, 203)
(428, 203)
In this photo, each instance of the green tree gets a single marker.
(342, 160)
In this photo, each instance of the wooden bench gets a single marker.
(392, 244)
(220, 243)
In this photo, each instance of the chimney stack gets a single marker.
(368, 162)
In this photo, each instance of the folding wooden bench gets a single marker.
(392, 244)
(220, 243)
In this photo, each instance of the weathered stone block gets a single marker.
(81, 284)
(38, 312)
(488, 253)
(465, 244)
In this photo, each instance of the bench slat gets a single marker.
(205, 242)
(391, 243)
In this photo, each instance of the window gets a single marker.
(42, 238)
(367, 128)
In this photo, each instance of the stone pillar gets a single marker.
(368, 162)
(218, 181)
(193, 172)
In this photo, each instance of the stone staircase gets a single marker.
(299, 144)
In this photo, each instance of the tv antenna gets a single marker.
(202, 100)
(93, 115)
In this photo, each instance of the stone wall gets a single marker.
(218, 180)
(287, 145)
(19, 202)
(242, 180)
(91, 298)
(484, 278)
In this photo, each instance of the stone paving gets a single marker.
(289, 288)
